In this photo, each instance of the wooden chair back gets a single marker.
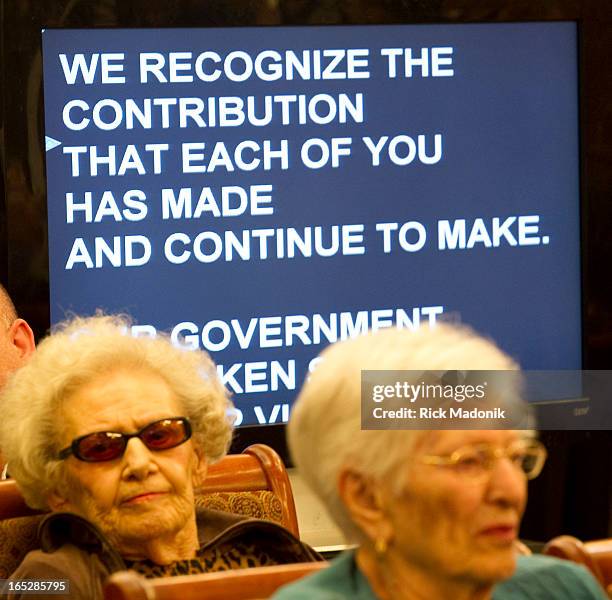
(595, 555)
(243, 584)
(12, 503)
(258, 469)
(254, 483)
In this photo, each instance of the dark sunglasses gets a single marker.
(109, 445)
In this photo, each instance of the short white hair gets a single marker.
(324, 431)
(75, 353)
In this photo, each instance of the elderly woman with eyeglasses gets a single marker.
(113, 433)
(435, 514)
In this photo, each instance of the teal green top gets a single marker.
(536, 578)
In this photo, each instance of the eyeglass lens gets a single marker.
(475, 460)
(108, 445)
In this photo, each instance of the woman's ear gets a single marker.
(365, 502)
(200, 468)
(57, 503)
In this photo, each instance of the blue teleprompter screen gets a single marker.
(262, 192)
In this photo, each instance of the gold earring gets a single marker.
(380, 546)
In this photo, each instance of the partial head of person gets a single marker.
(436, 513)
(118, 430)
(16, 338)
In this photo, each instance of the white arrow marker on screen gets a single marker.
(50, 143)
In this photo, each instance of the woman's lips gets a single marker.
(501, 533)
(144, 497)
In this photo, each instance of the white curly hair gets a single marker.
(76, 352)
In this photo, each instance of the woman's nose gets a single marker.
(138, 460)
(507, 484)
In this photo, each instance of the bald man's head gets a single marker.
(16, 338)
(7, 309)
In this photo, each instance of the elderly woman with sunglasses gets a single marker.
(112, 433)
(434, 514)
